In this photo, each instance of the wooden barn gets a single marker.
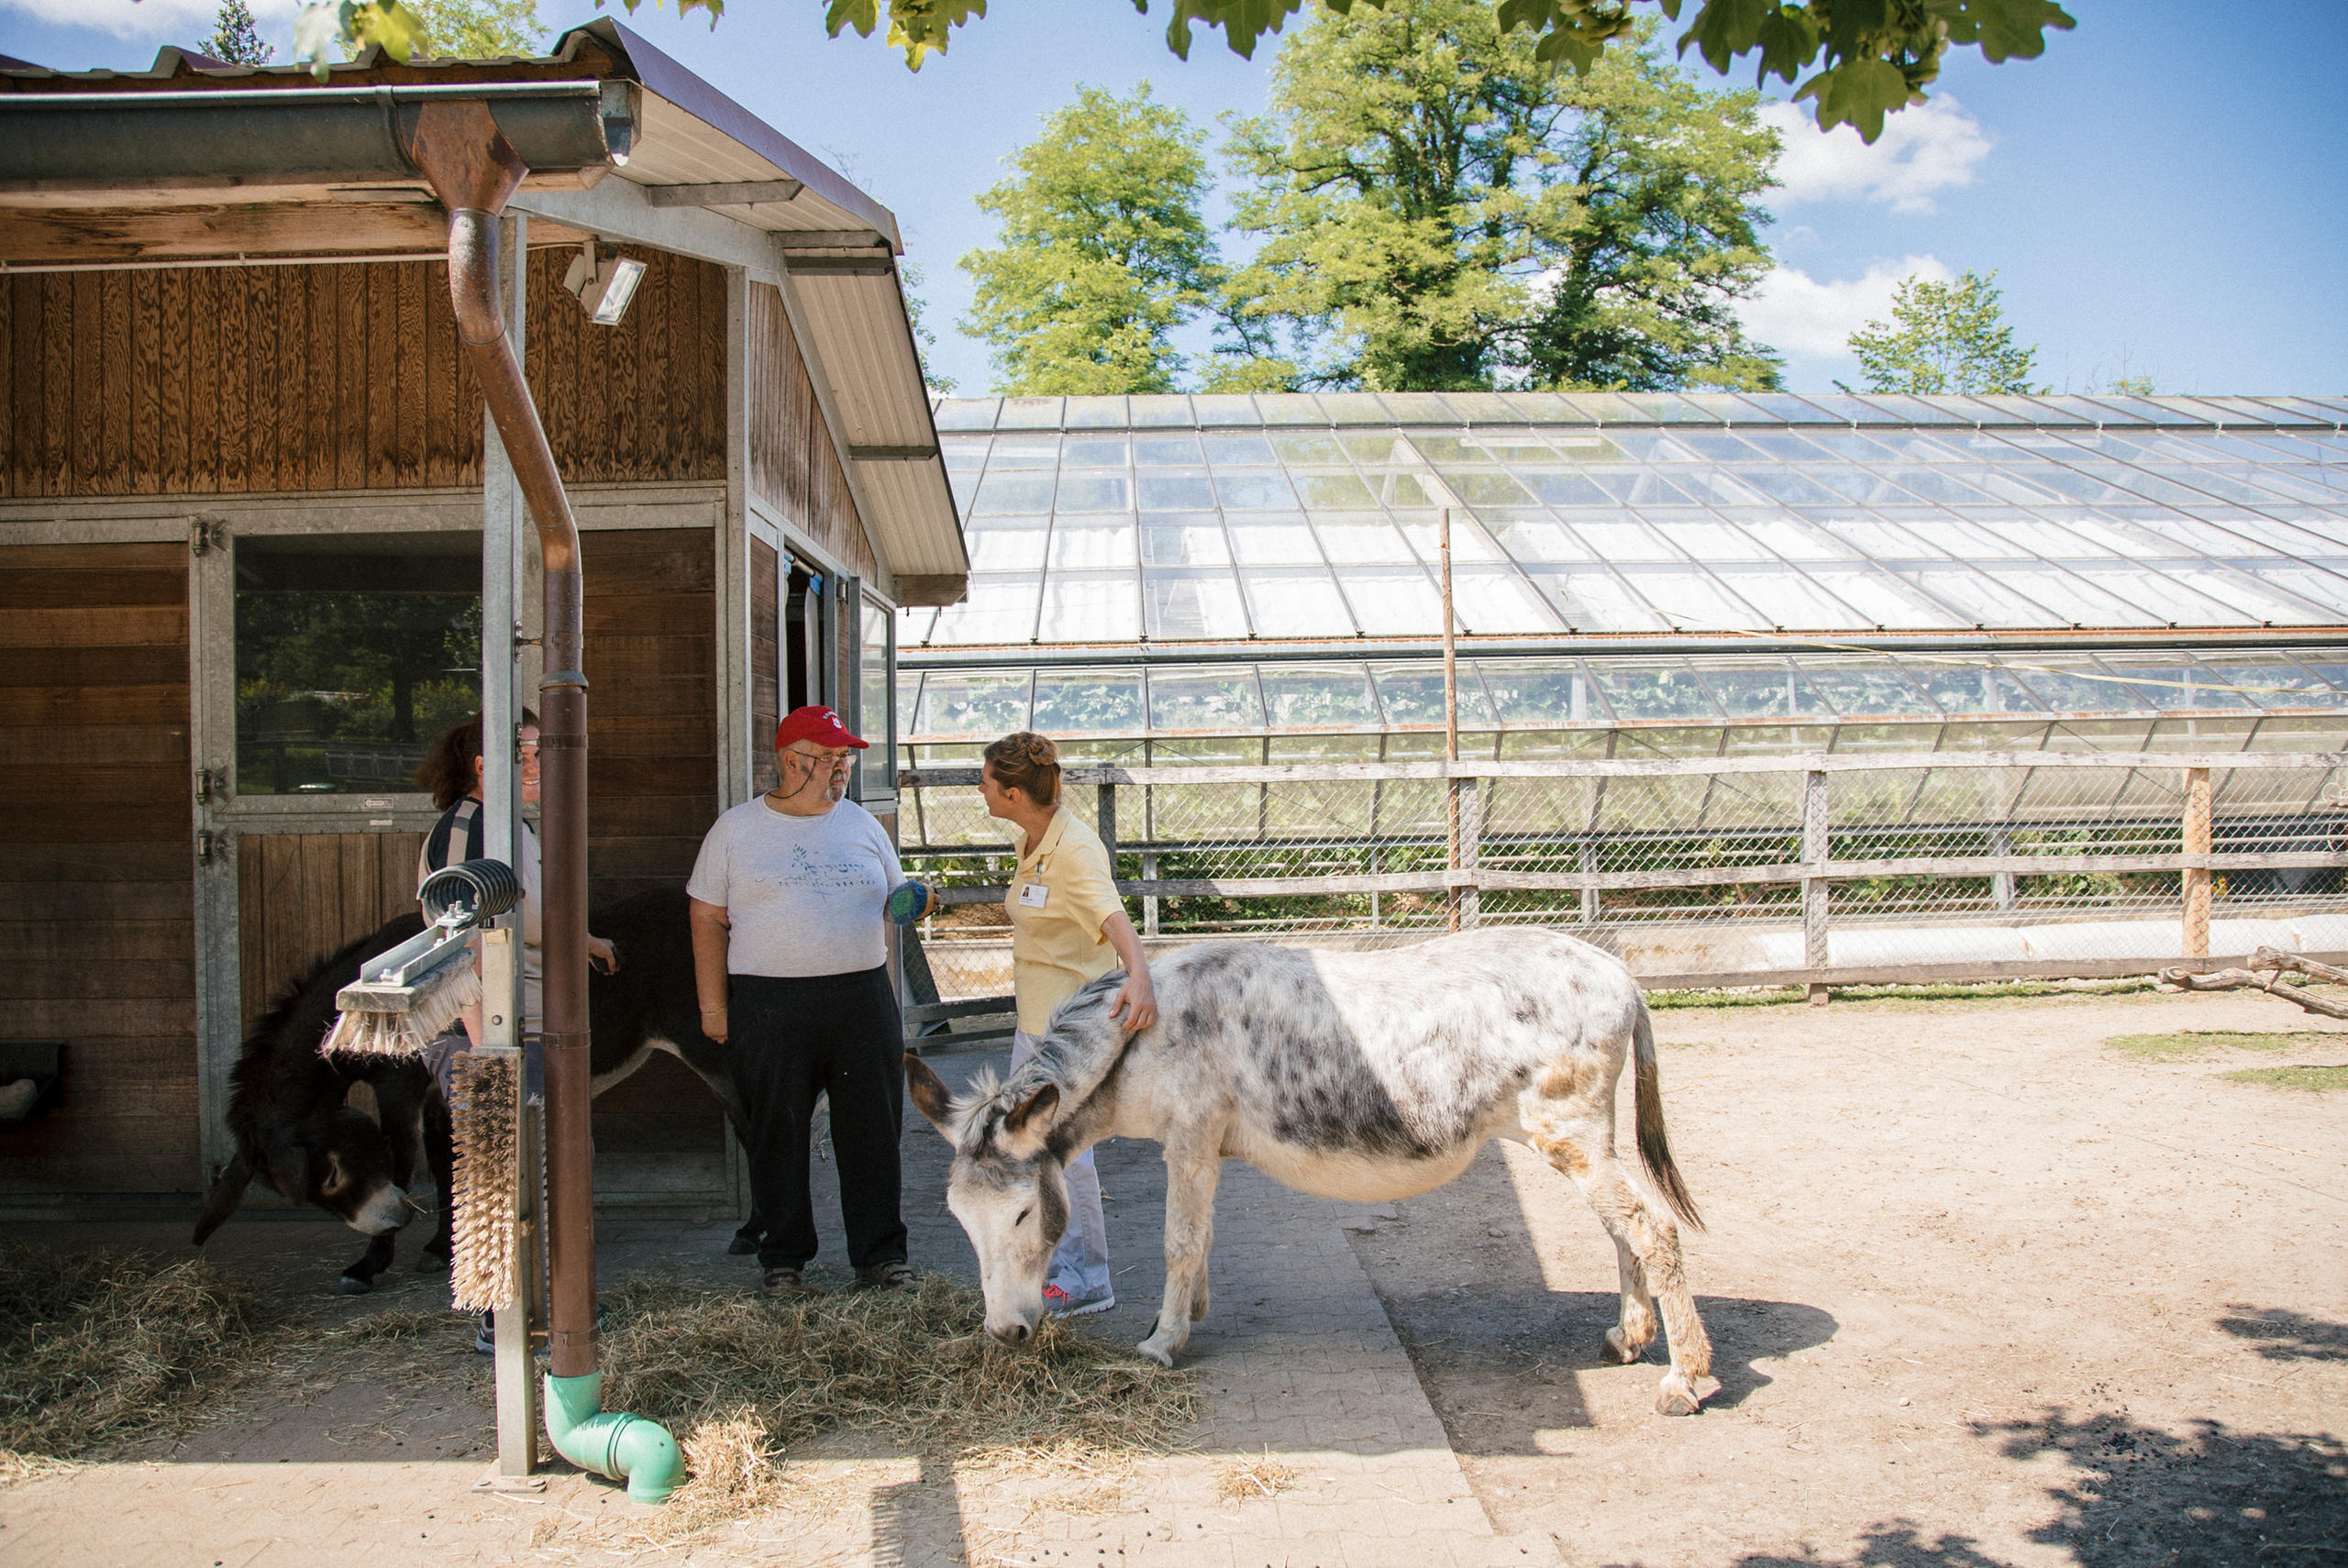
(247, 500)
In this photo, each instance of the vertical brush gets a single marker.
(484, 1111)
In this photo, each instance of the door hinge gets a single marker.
(212, 784)
(205, 534)
(207, 844)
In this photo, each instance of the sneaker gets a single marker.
(485, 1334)
(894, 1274)
(781, 1282)
(1060, 1303)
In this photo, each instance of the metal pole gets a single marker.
(1814, 825)
(1450, 713)
(501, 1022)
(2198, 806)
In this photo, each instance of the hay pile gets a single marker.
(99, 1348)
(739, 1378)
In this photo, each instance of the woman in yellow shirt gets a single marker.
(1067, 927)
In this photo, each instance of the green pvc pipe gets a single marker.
(626, 1448)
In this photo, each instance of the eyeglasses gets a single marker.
(823, 758)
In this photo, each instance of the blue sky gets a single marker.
(2159, 195)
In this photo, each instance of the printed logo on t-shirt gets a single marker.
(825, 876)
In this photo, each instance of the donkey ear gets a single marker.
(1031, 1118)
(930, 1095)
(221, 1202)
(338, 1178)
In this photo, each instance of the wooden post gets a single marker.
(2196, 942)
(1149, 900)
(1105, 823)
(1450, 716)
(1815, 952)
(1586, 862)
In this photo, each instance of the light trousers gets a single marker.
(1081, 1265)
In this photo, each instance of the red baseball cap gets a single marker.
(818, 725)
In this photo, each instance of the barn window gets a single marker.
(354, 651)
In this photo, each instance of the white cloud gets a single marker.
(184, 22)
(1923, 148)
(1795, 313)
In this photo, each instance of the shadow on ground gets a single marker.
(1496, 1348)
(2144, 1497)
(2281, 1334)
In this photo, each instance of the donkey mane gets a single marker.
(1081, 1047)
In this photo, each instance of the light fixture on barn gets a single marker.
(605, 282)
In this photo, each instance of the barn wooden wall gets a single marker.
(651, 706)
(255, 380)
(97, 883)
(794, 466)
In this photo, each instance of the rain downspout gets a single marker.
(474, 170)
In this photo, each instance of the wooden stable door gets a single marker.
(300, 895)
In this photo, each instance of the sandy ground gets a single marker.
(1984, 1291)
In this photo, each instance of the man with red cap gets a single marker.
(788, 895)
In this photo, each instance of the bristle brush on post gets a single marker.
(484, 1111)
(404, 999)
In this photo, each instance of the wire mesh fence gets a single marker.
(1816, 867)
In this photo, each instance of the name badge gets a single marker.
(1032, 894)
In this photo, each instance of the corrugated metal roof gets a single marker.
(689, 137)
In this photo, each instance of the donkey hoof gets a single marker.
(1622, 1351)
(1676, 1398)
(432, 1262)
(741, 1247)
(1150, 1349)
(351, 1285)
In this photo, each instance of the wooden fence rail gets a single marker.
(1465, 875)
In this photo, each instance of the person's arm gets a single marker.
(1137, 999)
(711, 932)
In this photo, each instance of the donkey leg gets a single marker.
(1646, 1243)
(1193, 1167)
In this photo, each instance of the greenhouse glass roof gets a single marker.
(1292, 523)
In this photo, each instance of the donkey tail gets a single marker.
(1655, 1148)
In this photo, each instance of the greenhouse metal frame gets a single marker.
(1676, 617)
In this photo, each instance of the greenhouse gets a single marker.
(1708, 582)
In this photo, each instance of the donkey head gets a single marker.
(1007, 1187)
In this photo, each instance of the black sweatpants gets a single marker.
(788, 1040)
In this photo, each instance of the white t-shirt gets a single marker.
(804, 895)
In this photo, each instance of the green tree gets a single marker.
(235, 39)
(477, 29)
(1103, 253)
(1442, 209)
(1944, 339)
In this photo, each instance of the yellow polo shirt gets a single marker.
(1055, 949)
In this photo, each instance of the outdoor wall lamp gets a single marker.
(605, 282)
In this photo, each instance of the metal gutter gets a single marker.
(236, 138)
